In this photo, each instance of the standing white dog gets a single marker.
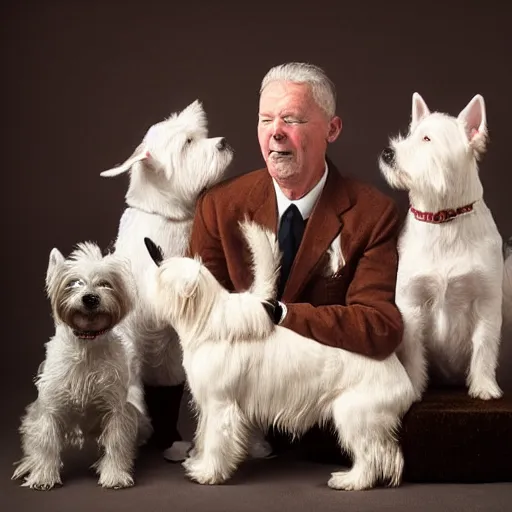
(174, 163)
(85, 385)
(449, 286)
(246, 374)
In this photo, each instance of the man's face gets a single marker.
(293, 132)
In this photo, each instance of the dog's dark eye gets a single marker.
(104, 284)
(189, 141)
(75, 283)
(426, 139)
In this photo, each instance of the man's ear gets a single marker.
(335, 126)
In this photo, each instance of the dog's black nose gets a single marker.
(91, 300)
(222, 144)
(388, 155)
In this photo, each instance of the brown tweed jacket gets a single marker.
(353, 309)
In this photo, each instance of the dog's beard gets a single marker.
(207, 164)
(395, 177)
(90, 325)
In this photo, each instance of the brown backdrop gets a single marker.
(83, 80)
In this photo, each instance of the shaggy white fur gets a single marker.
(245, 373)
(174, 163)
(450, 275)
(86, 386)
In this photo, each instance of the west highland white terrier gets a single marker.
(507, 284)
(450, 274)
(174, 163)
(86, 388)
(246, 374)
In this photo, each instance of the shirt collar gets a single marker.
(306, 203)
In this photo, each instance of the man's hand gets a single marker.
(274, 308)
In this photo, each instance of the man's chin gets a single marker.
(282, 170)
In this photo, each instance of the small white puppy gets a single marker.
(174, 163)
(450, 274)
(85, 386)
(246, 374)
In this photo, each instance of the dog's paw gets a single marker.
(203, 472)
(349, 481)
(41, 482)
(485, 390)
(115, 479)
(22, 469)
(36, 477)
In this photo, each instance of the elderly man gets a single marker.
(338, 235)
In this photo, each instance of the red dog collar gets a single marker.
(441, 215)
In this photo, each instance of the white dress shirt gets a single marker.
(305, 205)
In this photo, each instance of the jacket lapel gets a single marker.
(262, 202)
(323, 225)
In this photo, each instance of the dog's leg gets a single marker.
(366, 425)
(259, 447)
(136, 398)
(118, 440)
(42, 440)
(221, 444)
(411, 351)
(481, 378)
(196, 450)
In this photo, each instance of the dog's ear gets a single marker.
(419, 109)
(194, 114)
(473, 118)
(154, 250)
(138, 155)
(188, 284)
(55, 260)
(196, 107)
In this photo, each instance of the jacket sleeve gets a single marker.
(370, 323)
(205, 241)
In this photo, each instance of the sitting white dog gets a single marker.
(449, 286)
(174, 163)
(507, 284)
(85, 384)
(245, 373)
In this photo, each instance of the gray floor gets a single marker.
(272, 485)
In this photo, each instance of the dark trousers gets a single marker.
(163, 404)
(316, 445)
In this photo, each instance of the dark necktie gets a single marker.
(291, 230)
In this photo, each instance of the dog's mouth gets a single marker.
(89, 335)
(89, 326)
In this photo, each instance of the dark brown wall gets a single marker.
(83, 80)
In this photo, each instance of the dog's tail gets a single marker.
(266, 258)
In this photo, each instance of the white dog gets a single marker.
(245, 373)
(175, 162)
(85, 385)
(507, 283)
(450, 274)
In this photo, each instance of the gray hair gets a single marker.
(322, 88)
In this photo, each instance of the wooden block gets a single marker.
(451, 437)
